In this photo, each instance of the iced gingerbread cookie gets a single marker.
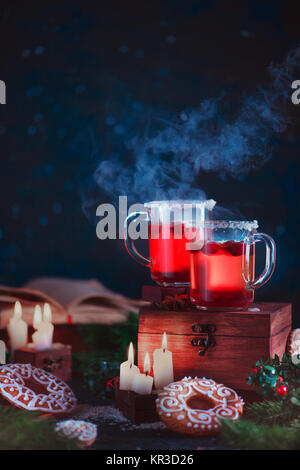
(34, 389)
(194, 406)
(293, 342)
(293, 345)
(85, 432)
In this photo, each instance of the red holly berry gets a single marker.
(255, 370)
(281, 390)
(109, 383)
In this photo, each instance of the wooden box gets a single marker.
(223, 346)
(57, 360)
(137, 408)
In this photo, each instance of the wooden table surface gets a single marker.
(123, 435)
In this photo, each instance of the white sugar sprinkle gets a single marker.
(106, 413)
(111, 415)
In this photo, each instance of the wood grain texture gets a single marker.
(241, 339)
(269, 320)
(229, 362)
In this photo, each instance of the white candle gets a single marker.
(47, 315)
(128, 370)
(142, 383)
(37, 317)
(17, 329)
(2, 352)
(162, 365)
(43, 337)
(49, 328)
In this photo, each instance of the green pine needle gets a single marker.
(271, 412)
(244, 434)
(275, 422)
(24, 430)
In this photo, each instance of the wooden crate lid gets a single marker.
(262, 319)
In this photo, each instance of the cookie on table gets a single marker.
(34, 389)
(196, 406)
(83, 431)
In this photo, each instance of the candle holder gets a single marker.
(137, 408)
(57, 359)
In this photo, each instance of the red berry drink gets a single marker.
(220, 273)
(169, 254)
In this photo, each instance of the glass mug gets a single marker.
(223, 265)
(169, 255)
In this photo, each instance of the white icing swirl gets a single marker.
(82, 430)
(59, 399)
(221, 396)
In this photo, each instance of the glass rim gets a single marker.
(208, 204)
(231, 224)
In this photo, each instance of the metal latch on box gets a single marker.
(51, 364)
(205, 339)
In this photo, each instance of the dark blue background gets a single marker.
(75, 74)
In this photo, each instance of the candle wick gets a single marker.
(147, 373)
(164, 349)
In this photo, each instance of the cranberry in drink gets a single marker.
(220, 275)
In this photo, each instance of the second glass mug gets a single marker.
(169, 257)
(222, 264)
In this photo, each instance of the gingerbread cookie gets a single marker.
(293, 342)
(293, 345)
(34, 389)
(195, 406)
(85, 432)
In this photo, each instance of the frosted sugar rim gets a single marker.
(208, 204)
(225, 224)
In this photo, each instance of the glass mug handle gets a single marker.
(270, 260)
(129, 243)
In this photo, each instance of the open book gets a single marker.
(72, 301)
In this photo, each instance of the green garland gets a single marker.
(275, 422)
(24, 430)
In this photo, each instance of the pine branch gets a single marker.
(272, 412)
(244, 434)
(25, 430)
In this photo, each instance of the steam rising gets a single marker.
(166, 159)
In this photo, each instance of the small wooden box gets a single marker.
(137, 408)
(220, 345)
(57, 360)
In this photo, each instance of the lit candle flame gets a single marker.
(37, 317)
(18, 311)
(147, 363)
(131, 354)
(47, 316)
(164, 343)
